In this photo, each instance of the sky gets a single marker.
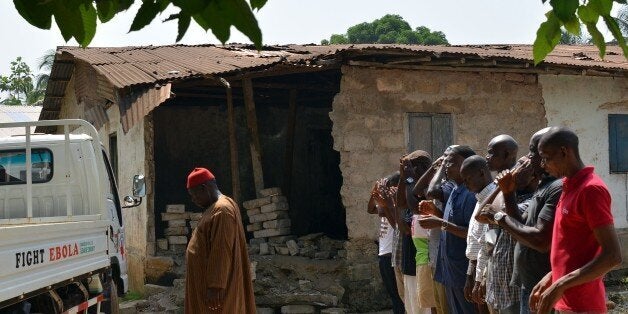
(294, 22)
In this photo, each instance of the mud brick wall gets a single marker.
(370, 128)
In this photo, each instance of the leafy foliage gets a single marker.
(78, 18)
(390, 29)
(19, 85)
(569, 14)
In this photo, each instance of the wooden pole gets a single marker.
(292, 115)
(233, 144)
(251, 119)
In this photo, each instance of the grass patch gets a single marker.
(132, 296)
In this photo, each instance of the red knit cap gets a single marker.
(199, 176)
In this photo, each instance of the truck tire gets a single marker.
(111, 303)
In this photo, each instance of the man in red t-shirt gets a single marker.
(584, 243)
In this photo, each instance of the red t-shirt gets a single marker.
(584, 205)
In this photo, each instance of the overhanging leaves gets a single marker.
(37, 14)
(611, 23)
(147, 13)
(184, 23)
(258, 4)
(547, 37)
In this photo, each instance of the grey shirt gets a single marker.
(531, 265)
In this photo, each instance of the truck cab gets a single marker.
(60, 218)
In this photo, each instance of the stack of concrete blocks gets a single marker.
(177, 232)
(269, 221)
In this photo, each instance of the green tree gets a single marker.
(338, 39)
(622, 19)
(390, 29)
(19, 85)
(567, 38)
(44, 63)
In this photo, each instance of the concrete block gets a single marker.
(176, 231)
(162, 244)
(298, 309)
(177, 239)
(268, 216)
(271, 232)
(253, 270)
(151, 248)
(178, 248)
(270, 192)
(264, 249)
(259, 202)
(342, 253)
(177, 223)
(253, 249)
(278, 199)
(265, 310)
(293, 247)
(272, 207)
(254, 227)
(174, 216)
(282, 250)
(193, 224)
(175, 208)
(257, 241)
(281, 239)
(253, 212)
(334, 310)
(278, 223)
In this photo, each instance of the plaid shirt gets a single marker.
(397, 256)
(499, 293)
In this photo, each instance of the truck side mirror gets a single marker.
(139, 186)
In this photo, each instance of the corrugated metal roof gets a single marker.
(132, 66)
(128, 66)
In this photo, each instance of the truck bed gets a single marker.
(36, 256)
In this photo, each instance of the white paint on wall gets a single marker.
(583, 104)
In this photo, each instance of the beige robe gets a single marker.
(217, 257)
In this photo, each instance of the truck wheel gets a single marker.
(111, 305)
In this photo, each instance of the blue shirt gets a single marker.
(452, 263)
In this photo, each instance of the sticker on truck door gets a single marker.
(25, 258)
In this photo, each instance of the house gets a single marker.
(325, 122)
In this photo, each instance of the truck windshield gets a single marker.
(13, 166)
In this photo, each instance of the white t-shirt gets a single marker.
(417, 230)
(386, 232)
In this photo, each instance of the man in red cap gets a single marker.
(218, 278)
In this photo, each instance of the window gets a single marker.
(431, 132)
(13, 166)
(618, 142)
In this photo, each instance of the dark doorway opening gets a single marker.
(192, 130)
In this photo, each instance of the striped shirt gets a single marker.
(477, 229)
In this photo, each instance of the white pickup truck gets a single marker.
(61, 230)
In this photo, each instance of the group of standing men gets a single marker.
(536, 237)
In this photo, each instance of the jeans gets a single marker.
(390, 282)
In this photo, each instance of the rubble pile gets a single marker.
(314, 246)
